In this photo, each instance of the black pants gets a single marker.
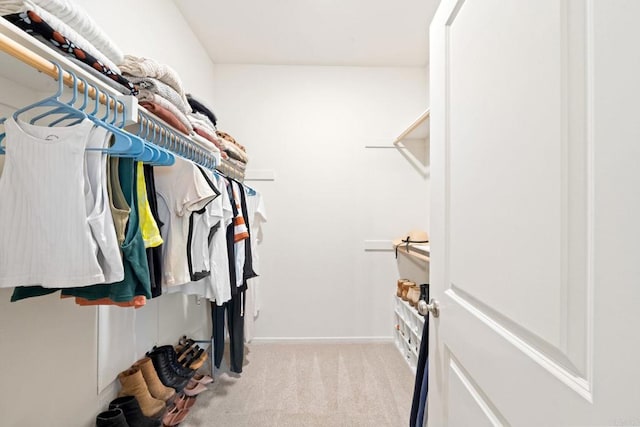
(235, 324)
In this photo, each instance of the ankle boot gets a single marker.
(170, 353)
(133, 385)
(132, 412)
(111, 418)
(156, 388)
(167, 376)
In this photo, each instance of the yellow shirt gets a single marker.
(148, 226)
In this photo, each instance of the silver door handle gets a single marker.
(433, 307)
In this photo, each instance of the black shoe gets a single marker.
(111, 418)
(132, 412)
(166, 373)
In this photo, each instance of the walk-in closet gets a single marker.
(319, 213)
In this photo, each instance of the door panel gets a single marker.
(516, 212)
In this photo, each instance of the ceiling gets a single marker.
(313, 32)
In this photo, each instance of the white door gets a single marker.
(535, 229)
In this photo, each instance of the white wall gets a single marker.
(310, 126)
(49, 369)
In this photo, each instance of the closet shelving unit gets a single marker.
(408, 331)
(17, 44)
(408, 323)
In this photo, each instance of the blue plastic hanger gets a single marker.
(54, 100)
(125, 144)
(163, 157)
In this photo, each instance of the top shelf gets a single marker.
(421, 252)
(419, 129)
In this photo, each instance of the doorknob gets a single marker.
(433, 307)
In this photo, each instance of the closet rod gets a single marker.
(45, 66)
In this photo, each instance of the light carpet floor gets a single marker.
(309, 385)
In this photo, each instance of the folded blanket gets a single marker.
(148, 96)
(199, 122)
(165, 115)
(35, 25)
(199, 107)
(145, 67)
(72, 15)
(160, 89)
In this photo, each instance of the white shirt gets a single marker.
(181, 189)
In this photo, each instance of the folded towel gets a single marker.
(165, 115)
(160, 89)
(199, 107)
(72, 15)
(35, 25)
(145, 67)
(149, 96)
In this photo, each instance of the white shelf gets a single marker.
(418, 251)
(418, 130)
(407, 331)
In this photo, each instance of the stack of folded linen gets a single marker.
(161, 90)
(68, 28)
(234, 150)
(204, 124)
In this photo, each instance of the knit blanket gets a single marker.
(145, 67)
(161, 89)
(73, 16)
(148, 96)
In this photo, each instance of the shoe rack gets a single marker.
(413, 264)
(408, 331)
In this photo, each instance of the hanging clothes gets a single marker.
(136, 280)
(154, 253)
(181, 189)
(257, 214)
(45, 238)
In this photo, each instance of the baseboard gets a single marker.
(322, 340)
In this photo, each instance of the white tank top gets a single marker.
(45, 238)
(98, 211)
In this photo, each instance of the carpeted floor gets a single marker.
(309, 385)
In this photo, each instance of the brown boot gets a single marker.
(156, 388)
(133, 384)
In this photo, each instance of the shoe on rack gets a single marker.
(405, 289)
(172, 357)
(185, 402)
(174, 416)
(194, 388)
(399, 289)
(133, 384)
(133, 413)
(156, 387)
(413, 295)
(203, 379)
(111, 418)
(198, 360)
